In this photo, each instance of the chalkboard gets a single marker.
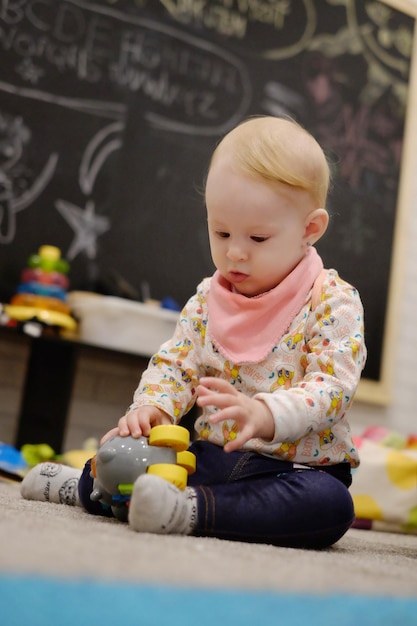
(109, 112)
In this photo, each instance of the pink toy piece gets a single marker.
(45, 278)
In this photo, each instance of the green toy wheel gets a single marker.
(170, 436)
(187, 460)
(172, 473)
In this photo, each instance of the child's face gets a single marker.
(257, 230)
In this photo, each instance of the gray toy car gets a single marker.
(120, 460)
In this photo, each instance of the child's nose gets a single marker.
(236, 252)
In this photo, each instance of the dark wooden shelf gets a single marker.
(48, 386)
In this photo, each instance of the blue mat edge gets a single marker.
(44, 600)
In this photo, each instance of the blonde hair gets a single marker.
(279, 150)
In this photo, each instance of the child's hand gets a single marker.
(252, 416)
(138, 422)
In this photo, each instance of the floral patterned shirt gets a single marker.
(308, 379)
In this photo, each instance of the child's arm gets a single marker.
(333, 360)
(166, 390)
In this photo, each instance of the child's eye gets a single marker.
(259, 239)
(222, 234)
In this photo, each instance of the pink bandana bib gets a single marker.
(246, 329)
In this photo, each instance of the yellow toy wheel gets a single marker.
(172, 473)
(187, 460)
(170, 436)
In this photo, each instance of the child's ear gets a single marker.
(316, 225)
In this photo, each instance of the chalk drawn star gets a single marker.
(87, 227)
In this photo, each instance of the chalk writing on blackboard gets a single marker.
(76, 46)
(19, 187)
(61, 51)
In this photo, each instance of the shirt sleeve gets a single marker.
(171, 378)
(333, 358)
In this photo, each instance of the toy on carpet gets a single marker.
(384, 488)
(35, 453)
(120, 460)
(42, 293)
(12, 462)
(15, 464)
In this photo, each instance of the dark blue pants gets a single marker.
(244, 496)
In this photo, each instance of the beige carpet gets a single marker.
(63, 541)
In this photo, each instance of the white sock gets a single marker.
(158, 506)
(52, 482)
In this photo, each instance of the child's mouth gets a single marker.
(238, 277)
